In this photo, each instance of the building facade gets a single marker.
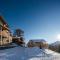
(41, 43)
(5, 34)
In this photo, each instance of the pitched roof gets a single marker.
(38, 40)
(4, 23)
(2, 19)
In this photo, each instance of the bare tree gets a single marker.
(18, 33)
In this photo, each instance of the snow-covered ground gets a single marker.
(23, 53)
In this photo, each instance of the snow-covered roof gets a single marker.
(38, 40)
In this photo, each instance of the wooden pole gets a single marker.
(1, 35)
(9, 37)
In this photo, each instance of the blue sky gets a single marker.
(38, 18)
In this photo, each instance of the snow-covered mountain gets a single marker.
(55, 46)
(56, 43)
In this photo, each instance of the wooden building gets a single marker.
(5, 34)
(41, 43)
(18, 41)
